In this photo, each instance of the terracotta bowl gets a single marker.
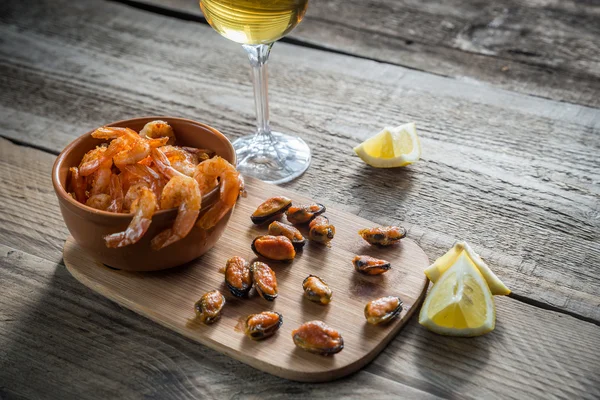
(88, 226)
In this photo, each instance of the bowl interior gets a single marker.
(188, 133)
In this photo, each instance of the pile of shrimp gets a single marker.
(141, 173)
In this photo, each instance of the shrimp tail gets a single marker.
(163, 239)
(143, 207)
(213, 215)
(116, 194)
(131, 235)
(181, 228)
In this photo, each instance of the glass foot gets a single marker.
(274, 158)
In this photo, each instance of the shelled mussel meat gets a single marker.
(305, 213)
(370, 265)
(383, 236)
(209, 307)
(320, 230)
(317, 337)
(315, 289)
(383, 310)
(277, 228)
(270, 209)
(278, 248)
(264, 279)
(263, 325)
(238, 276)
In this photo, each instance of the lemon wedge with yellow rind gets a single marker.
(392, 147)
(460, 303)
(445, 262)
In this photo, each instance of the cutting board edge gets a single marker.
(294, 375)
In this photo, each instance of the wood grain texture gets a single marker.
(60, 340)
(515, 176)
(543, 48)
(167, 297)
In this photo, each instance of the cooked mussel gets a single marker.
(320, 230)
(278, 248)
(383, 310)
(305, 213)
(270, 209)
(384, 235)
(315, 289)
(317, 337)
(277, 228)
(263, 325)
(264, 279)
(238, 276)
(370, 265)
(209, 307)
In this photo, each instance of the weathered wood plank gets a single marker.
(544, 48)
(516, 176)
(60, 340)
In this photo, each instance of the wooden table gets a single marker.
(506, 97)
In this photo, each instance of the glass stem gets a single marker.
(258, 56)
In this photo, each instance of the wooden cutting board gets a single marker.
(167, 297)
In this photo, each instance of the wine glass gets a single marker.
(269, 156)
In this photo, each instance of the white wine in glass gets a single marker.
(270, 156)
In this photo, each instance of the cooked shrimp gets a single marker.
(146, 161)
(158, 129)
(136, 173)
(100, 201)
(163, 165)
(93, 154)
(92, 160)
(132, 193)
(181, 159)
(101, 180)
(201, 154)
(95, 158)
(133, 147)
(78, 185)
(126, 148)
(181, 191)
(111, 132)
(207, 174)
(98, 181)
(143, 207)
(116, 194)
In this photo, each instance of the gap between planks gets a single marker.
(188, 16)
(23, 143)
(523, 259)
(513, 295)
(407, 360)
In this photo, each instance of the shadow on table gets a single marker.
(381, 190)
(446, 365)
(70, 343)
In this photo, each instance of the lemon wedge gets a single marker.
(392, 147)
(445, 262)
(460, 303)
